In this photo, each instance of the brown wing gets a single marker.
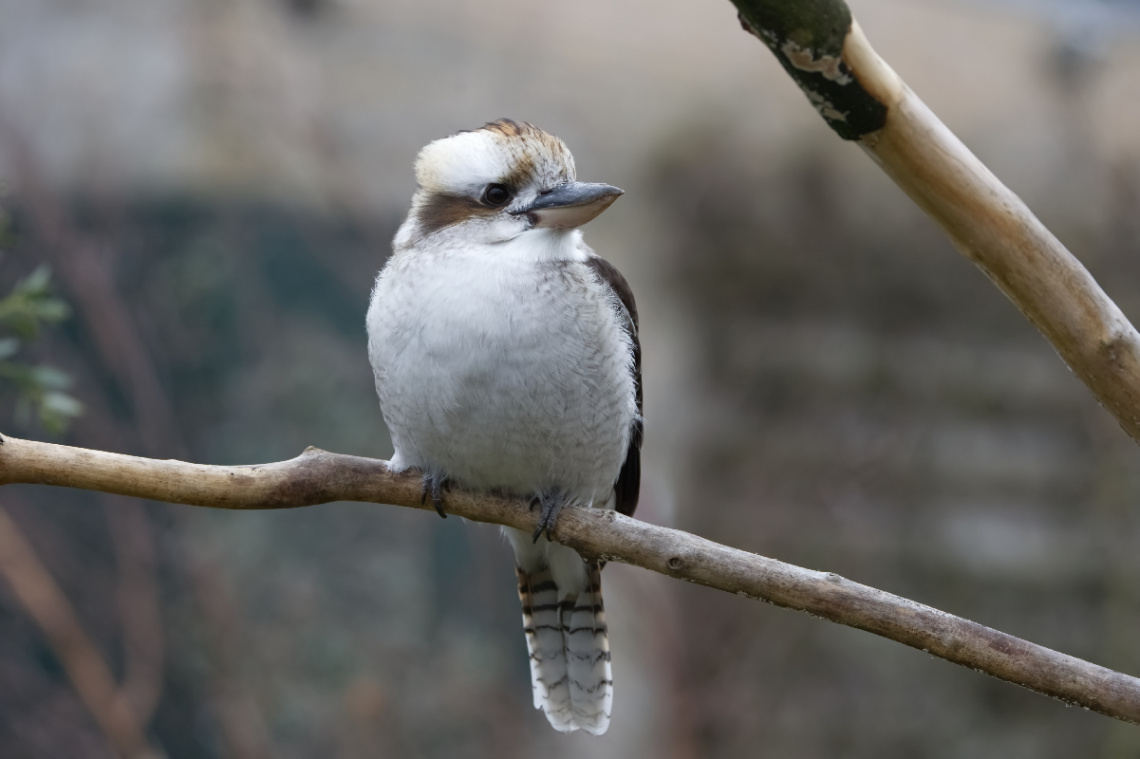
(628, 485)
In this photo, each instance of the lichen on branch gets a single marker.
(807, 38)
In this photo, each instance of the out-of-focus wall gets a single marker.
(214, 185)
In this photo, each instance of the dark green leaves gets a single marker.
(40, 389)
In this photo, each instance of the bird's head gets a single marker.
(492, 184)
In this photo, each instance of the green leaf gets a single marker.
(9, 346)
(17, 319)
(19, 373)
(35, 283)
(38, 389)
(50, 378)
(61, 404)
(51, 310)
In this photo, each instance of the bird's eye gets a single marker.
(496, 195)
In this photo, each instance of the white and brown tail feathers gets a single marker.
(569, 651)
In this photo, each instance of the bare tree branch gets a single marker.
(137, 599)
(80, 658)
(318, 476)
(823, 48)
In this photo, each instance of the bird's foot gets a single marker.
(436, 485)
(551, 503)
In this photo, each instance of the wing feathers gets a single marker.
(628, 485)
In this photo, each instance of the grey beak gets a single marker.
(570, 205)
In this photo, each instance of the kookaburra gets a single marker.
(507, 358)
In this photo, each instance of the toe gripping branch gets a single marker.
(551, 503)
(436, 485)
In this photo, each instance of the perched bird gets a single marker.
(507, 359)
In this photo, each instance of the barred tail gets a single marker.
(569, 651)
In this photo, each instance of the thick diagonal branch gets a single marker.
(862, 98)
(318, 476)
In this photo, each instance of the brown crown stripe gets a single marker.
(509, 127)
(520, 174)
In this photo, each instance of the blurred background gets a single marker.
(213, 185)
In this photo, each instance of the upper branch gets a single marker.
(807, 38)
(863, 99)
(318, 476)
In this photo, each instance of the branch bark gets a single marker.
(862, 98)
(318, 476)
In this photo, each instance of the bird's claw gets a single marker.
(436, 485)
(551, 503)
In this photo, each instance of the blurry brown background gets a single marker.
(215, 182)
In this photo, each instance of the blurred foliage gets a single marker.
(39, 389)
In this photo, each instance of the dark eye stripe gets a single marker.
(444, 209)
